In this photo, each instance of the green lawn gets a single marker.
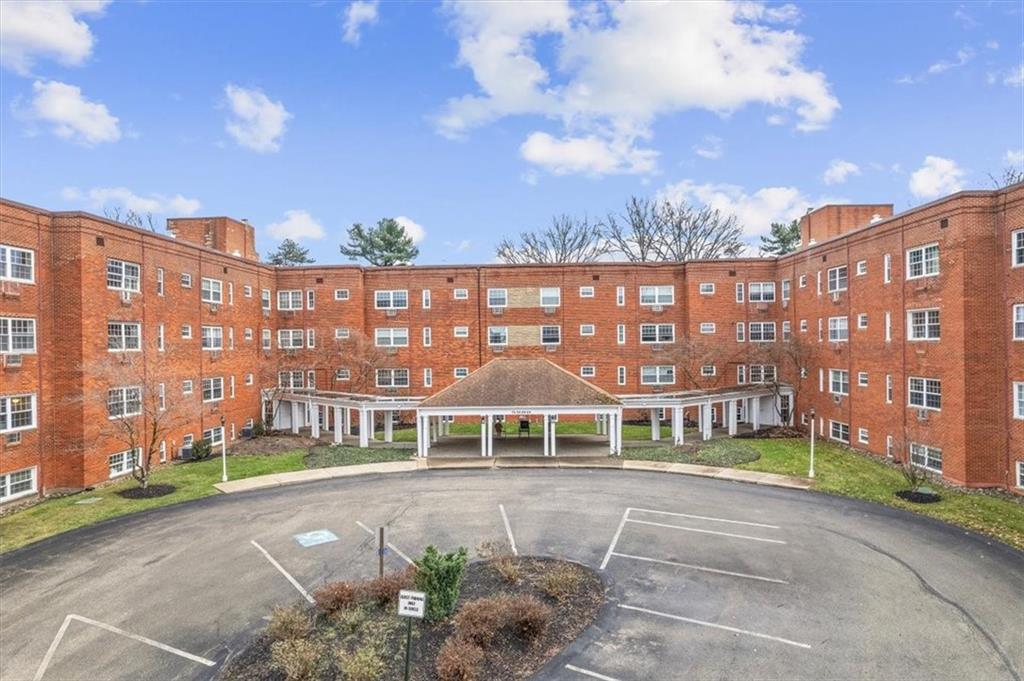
(344, 455)
(714, 453)
(630, 431)
(839, 471)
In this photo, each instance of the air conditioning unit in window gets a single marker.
(497, 311)
(10, 289)
(549, 310)
(835, 296)
(185, 453)
(392, 313)
(922, 414)
(11, 361)
(785, 304)
(552, 348)
(12, 439)
(838, 399)
(126, 297)
(657, 308)
(214, 308)
(497, 348)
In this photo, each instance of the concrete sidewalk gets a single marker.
(295, 477)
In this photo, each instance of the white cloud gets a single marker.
(459, 246)
(590, 155)
(72, 116)
(51, 29)
(257, 122)
(963, 56)
(618, 67)
(1014, 157)
(937, 176)
(754, 211)
(839, 170)
(98, 198)
(359, 13)
(297, 224)
(412, 229)
(710, 147)
(992, 44)
(1014, 77)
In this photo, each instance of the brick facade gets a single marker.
(976, 358)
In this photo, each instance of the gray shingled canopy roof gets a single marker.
(508, 382)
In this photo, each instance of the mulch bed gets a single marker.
(150, 492)
(773, 433)
(918, 497)
(506, 657)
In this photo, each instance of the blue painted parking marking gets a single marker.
(307, 539)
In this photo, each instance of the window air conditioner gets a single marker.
(126, 297)
(922, 414)
(657, 308)
(838, 399)
(13, 361)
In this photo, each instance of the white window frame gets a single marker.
(588, 371)
(838, 329)
(706, 288)
(287, 379)
(119, 278)
(740, 292)
(863, 436)
(839, 426)
(6, 484)
(924, 456)
(838, 382)
(1017, 321)
(428, 377)
(460, 372)
(7, 264)
(741, 374)
(249, 379)
(342, 333)
(266, 299)
(787, 289)
(428, 337)
(247, 290)
(493, 294)
(392, 374)
(121, 397)
(741, 332)
(310, 338)
(761, 291)
(588, 329)
(1018, 400)
(211, 290)
(756, 332)
(926, 324)
(8, 334)
(7, 413)
(586, 291)
(889, 388)
(460, 294)
(211, 337)
(1017, 248)
(160, 337)
(925, 261)
(186, 280)
(267, 338)
(862, 321)
(341, 294)
(461, 332)
(620, 334)
(763, 373)
(160, 281)
(497, 336)
(659, 294)
(862, 268)
(620, 375)
(838, 279)
(187, 387)
(291, 336)
(548, 327)
(214, 385)
(802, 282)
(214, 435)
(425, 299)
(122, 463)
(289, 300)
(550, 293)
(310, 299)
(660, 337)
(620, 296)
(186, 332)
(862, 379)
(708, 370)
(887, 268)
(928, 387)
(123, 336)
(663, 374)
(787, 330)
(385, 299)
(391, 337)
(707, 328)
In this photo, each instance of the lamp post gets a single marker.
(810, 473)
(223, 452)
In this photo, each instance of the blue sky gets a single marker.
(477, 121)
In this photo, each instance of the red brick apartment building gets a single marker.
(916, 321)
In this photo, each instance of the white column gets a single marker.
(554, 436)
(731, 405)
(295, 418)
(421, 435)
(617, 419)
(435, 429)
(364, 428)
(673, 420)
(705, 420)
(655, 425)
(490, 435)
(388, 425)
(678, 413)
(483, 436)
(371, 424)
(346, 423)
(337, 425)
(547, 441)
(755, 412)
(314, 417)
(426, 436)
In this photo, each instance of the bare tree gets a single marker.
(567, 240)
(792, 359)
(636, 234)
(142, 409)
(1011, 175)
(690, 355)
(362, 358)
(690, 233)
(130, 217)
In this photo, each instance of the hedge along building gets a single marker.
(915, 325)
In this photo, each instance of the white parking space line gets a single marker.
(121, 632)
(508, 529)
(694, 529)
(305, 594)
(615, 539)
(701, 568)
(391, 546)
(587, 672)
(723, 627)
(704, 517)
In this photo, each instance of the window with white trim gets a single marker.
(661, 374)
(839, 381)
(820, 336)
(425, 299)
(310, 299)
(289, 339)
(862, 379)
(1018, 322)
(620, 334)
(1018, 400)
(762, 332)
(392, 378)
(186, 331)
(212, 338)
(265, 298)
(497, 297)
(586, 291)
(786, 292)
(707, 327)
(460, 372)
(17, 412)
(837, 279)
(587, 329)
(803, 326)
(739, 292)
(461, 332)
(838, 329)
(762, 291)
(923, 261)
(839, 431)
(310, 338)
(397, 337)
(289, 300)
(862, 268)
(741, 332)
(803, 281)
(161, 397)
(17, 264)
(862, 436)
(707, 288)
(341, 333)
(249, 379)
(159, 281)
(926, 457)
(122, 463)
(124, 401)
(497, 335)
(741, 374)
(708, 370)
(657, 295)
(888, 326)
(391, 300)
(461, 294)
(211, 291)
(620, 373)
(267, 338)
(588, 371)
(550, 297)
(888, 389)
(213, 389)
(122, 336)
(290, 379)
(762, 373)
(1017, 245)
(123, 275)
(862, 320)
(428, 336)
(160, 337)
(231, 387)
(924, 393)
(923, 325)
(428, 377)
(186, 386)
(17, 484)
(620, 295)
(341, 294)
(214, 436)
(657, 333)
(887, 268)
(17, 335)
(247, 291)
(550, 335)
(818, 276)
(787, 330)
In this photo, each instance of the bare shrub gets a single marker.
(335, 596)
(527, 618)
(458, 660)
(365, 664)
(288, 623)
(480, 620)
(384, 590)
(500, 557)
(299, 659)
(562, 581)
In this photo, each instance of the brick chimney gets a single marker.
(224, 234)
(831, 221)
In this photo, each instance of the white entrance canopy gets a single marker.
(334, 410)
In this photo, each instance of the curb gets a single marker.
(297, 477)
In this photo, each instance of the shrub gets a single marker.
(299, 660)
(259, 429)
(201, 450)
(365, 664)
(458, 660)
(528, 618)
(561, 581)
(480, 620)
(351, 620)
(335, 596)
(289, 623)
(501, 558)
(440, 577)
(384, 590)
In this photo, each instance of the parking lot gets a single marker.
(704, 578)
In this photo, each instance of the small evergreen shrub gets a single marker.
(289, 623)
(259, 429)
(458, 660)
(299, 659)
(439, 575)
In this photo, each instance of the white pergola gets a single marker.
(334, 410)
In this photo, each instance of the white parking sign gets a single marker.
(411, 603)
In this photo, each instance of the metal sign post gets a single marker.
(411, 605)
(810, 473)
(382, 549)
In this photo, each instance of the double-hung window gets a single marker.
(923, 325)
(739, 292)
(17, 335)
(839, 431)
(215, 435)
(1017, 245)
(550, 297)
(17, 484)
(17, 412)
(213, 389)
(1018, 400)
(392, 378)
(762, 291)
(762, 332)
(391, 300)
(211, 291)
(123, 276)
(392, 338)
(707, 288)
(925, 393)
(657, 295)
(265, 298)
(289, 339)
(837, 279)
(741, 334)
(923, 261)
(838, 329)
(17, 264)
(662, 374)
(926, 457)
(289, 300)
(657, 333)
(762, 373)
(497, 335)
(497, 297)
(124, 402)
(428, 336)
(341, 294)
(290, 379)
(620, 334)
(786, 289)
(550, 335)
(123, 336)
(159, 281)
(122, 463)
(839, 381)
(1018, 322)
(212, 337)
